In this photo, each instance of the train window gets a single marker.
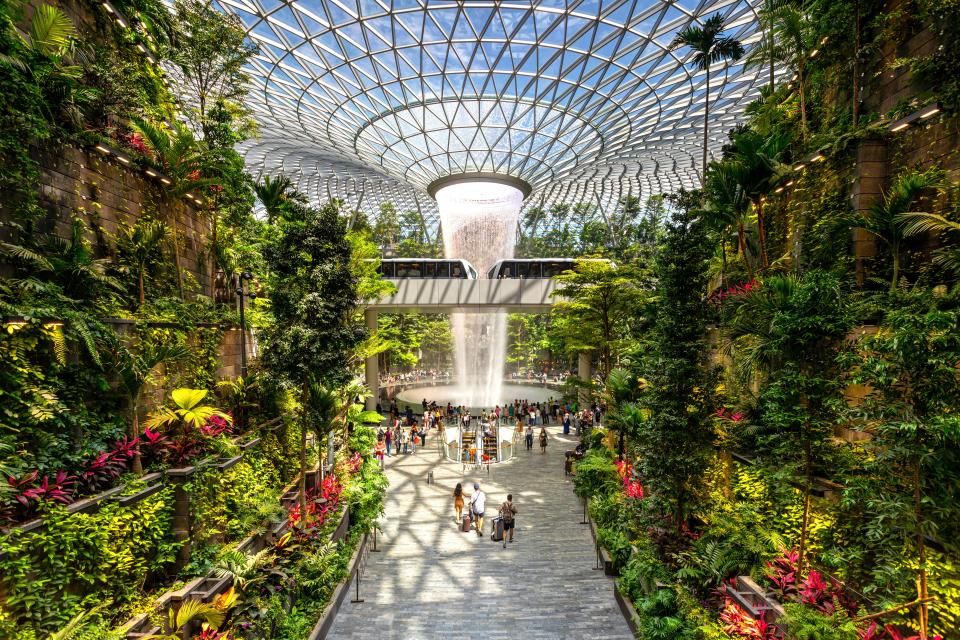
(429, 270)
(533, 270)
(551, 269)
(386, 268)
(408, 270)
(443, 270)
(456, 270)
(521, 270)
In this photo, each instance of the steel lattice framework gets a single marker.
(371, 101)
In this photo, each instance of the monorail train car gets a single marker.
(533, 267)
(427, 268)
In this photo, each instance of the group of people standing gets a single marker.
(478, 503)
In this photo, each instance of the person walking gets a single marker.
(507, 512)
(543, 440)
(414, 438)
(379, 450)
(566, 423)
(458, 502)
(478, 501)
(388, 439)
(405, 438)
(529, 438)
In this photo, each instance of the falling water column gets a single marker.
(479, 221)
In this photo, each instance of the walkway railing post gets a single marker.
(359, 570)
(599, 563)
(585, 521)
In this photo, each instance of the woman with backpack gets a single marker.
(507, 513)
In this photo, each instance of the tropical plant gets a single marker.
(134, 368)
(595, 301)
(68, 264)
(918, 223)
(179, 155)
(188, 612)
(140, 251)
(792, 41)
(891, 218)
(756, 163)
(50, 56)
(187, 412)
(909, 366)
(728, 207)
(674, 443)
(85, 626)
(314, 299)
(709, 47)
(790, 328)
(273, 194)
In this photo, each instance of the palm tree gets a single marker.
(139, 247)
(918, 223)
(52, 39)
(273, 193)
(709, 46)
(793, 42)
(760, 168)
(765, 335)
(727, 207)
(888, 218)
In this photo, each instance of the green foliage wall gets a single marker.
(77, 561)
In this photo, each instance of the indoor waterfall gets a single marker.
(479, 221)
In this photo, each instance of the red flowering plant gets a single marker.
(136, 142)
(320, 505)
(782, 572)
(215, 426)
(719, 296)
(738, 622)
(631, 484)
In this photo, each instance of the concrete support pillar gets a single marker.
(870, 178)
(371, 366)
(585, 373)
(182, 521)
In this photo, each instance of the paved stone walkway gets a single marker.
(431, 581)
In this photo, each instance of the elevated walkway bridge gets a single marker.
(429, 295)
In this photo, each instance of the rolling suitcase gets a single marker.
(497, 535)
(465, 524)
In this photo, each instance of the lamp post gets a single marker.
(246, 276)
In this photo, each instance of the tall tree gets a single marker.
(910, 369)
(313, 297)
(709, 47)
(792, 41)
(790, 329)
(211, 50)
(595, 300)
(674, 443)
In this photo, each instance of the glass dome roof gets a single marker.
(371, 101)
